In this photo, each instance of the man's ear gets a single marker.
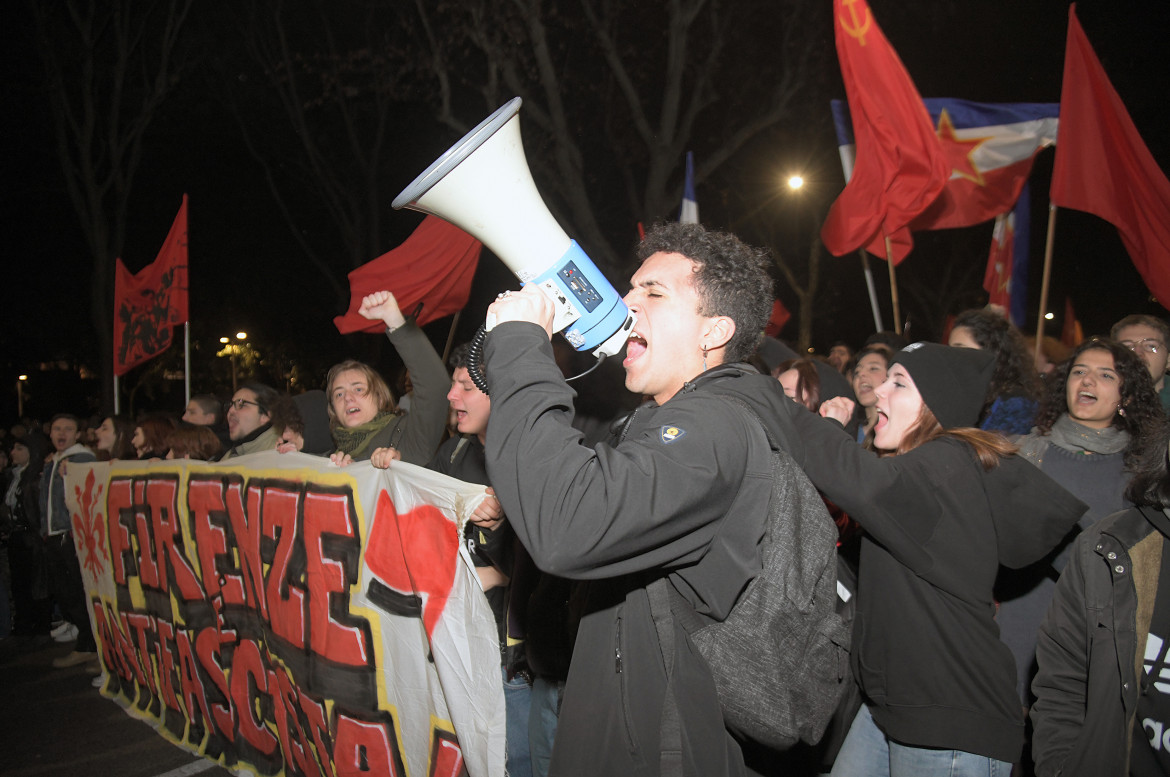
(720, 330)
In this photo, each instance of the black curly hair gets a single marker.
(1143, 417)
(1150, 484)
(731, 278)
(1015, 369)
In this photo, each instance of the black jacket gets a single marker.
(684, 493)
(926, 648)
(1091, 645)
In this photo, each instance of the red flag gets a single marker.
(1071, 333)
(1103, 167)
(901, 167)
(434, 266)
(777, 320)
(148, 304)
(998, 277)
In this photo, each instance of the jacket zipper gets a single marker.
(623, 691)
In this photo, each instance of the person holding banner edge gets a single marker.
(362, 413)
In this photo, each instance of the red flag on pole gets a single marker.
(901, 167)
(1102, 166)
(148, 304)
(434, 266)
(997, 278)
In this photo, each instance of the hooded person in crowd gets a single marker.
(942, 509)
(682, 492)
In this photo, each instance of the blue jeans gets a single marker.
(517, 700)
(867, 752)
(542, 724)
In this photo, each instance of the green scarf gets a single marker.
(353, 440)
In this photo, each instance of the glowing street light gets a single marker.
(795, 182)
(1048, 316)
(20, 380)
(231, 350)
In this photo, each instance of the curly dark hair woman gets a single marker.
(1138, 414)
(1098, 416)
(1015, 386)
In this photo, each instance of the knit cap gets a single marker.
(952, 381)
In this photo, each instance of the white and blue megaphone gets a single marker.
(483, 185)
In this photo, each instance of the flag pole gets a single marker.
(451, 336)
(1048, 242)
(187, 362)
(893, 286)
(117, 400)
(873, 300)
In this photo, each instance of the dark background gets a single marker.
(248, 273)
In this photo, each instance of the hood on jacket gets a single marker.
(1032, 513)
(762, 393)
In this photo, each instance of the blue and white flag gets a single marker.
(689, 212)
(990, 147)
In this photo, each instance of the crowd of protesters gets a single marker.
(953, 464)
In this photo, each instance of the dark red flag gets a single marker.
(434, 266)
(777, 320)
(901, 167)
(148, 304)
(1102, 166)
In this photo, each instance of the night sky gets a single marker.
(248, 273)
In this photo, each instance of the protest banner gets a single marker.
(282, 616)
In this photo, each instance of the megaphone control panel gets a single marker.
(588, 309)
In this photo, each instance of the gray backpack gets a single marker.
(781, 658)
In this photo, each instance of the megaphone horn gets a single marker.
(482, 185)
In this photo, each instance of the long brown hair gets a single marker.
(989, 447)
(378, 388)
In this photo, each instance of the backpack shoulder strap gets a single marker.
(667, 604)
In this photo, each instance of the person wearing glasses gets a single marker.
(1147, 336)
(249, 420)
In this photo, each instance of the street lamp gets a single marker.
(795, 182)
(231, 349)
(20, 380)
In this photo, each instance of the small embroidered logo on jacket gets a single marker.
(671, 433)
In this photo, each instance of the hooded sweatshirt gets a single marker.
(926, 648)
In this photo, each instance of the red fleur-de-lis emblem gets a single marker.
(90, 526)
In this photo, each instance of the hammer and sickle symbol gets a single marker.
(859, 28)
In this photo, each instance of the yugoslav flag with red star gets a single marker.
(990, 147)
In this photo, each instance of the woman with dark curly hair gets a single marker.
(1097, 415)
(1014, 388)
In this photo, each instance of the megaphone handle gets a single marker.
(475, 359)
